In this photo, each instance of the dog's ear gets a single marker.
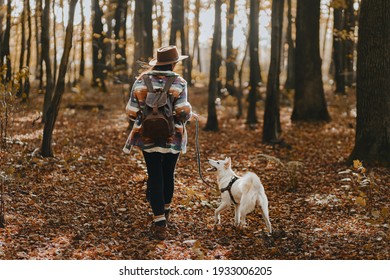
(228, 163)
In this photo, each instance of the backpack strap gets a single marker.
(148, 83)
(167, 86)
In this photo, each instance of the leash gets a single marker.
(198, 152)
(233, 179)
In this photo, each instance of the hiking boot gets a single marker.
(159, 232)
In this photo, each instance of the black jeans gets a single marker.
(161, 169)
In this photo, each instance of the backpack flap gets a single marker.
(156, 99)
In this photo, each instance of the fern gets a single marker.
(357, 180)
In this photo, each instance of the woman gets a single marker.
(160, 155)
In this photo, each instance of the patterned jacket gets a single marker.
(181, 110)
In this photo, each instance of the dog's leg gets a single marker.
(237, 215)
(264, 213)
(243, 219)
(217, 216)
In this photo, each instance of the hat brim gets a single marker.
(154, 61)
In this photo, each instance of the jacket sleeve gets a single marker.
(182, 107)
(132, 107)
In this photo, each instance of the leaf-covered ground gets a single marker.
(88, 202)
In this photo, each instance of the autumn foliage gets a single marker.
(88, 202)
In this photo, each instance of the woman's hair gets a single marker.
(146, 68)
(166, 67)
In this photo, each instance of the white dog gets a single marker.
(245, 193)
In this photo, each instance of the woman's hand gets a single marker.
(194, 117)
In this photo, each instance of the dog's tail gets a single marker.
(253, 194)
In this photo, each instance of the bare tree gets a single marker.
(54, 107)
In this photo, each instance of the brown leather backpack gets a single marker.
(158, 121)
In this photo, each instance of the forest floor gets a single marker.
(88, 202)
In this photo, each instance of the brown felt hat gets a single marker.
(167, 55)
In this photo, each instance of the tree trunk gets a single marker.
(143, 45)
(219, 58)
(22, 47)
(23, 40)
(38, 21)
(272, 127)
(196, 48)
(98, 48)
(26, 90)
(55, 40)
(108, 45)
(212, 120)
(159, 19)
(1, 25)
(372, 143)
(120, 36)
(82, 54)
(338, 49)
(255, 73)
(4, 48)
(188, 62)
(290, 81)
(52, 113)
(177, 28)
(240, 72)
(177, 23)
(148, 30)
(72, 67)
(309, 100)
(45, 39)
(231, 53)
(350, 25)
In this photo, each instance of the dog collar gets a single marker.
(229, 187)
